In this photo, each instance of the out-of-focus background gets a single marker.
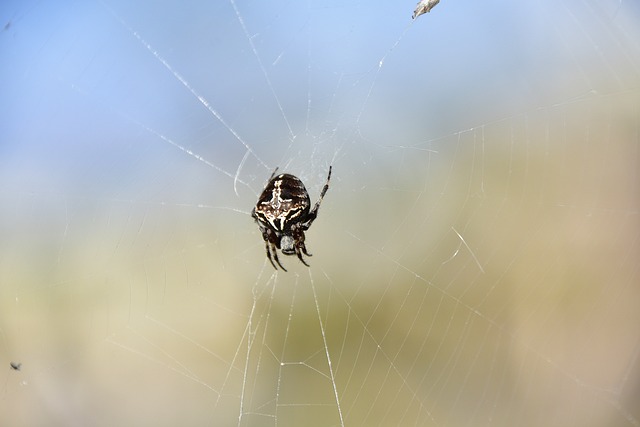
(475, 260)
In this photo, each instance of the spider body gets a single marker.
(284, 213)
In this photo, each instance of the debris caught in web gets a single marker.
(424, 6)
(15, 366)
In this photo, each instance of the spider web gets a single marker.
(475, 260)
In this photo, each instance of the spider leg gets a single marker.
(299, 251)
(300, 247)
(275, 256)
(313, 213)
(269, 255)
(273, 174)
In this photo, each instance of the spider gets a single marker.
(283, 215)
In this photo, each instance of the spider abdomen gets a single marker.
(284, 199)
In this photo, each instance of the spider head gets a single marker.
(287, 244)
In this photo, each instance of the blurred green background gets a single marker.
(475, 261)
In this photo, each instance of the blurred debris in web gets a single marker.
(424, 6)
